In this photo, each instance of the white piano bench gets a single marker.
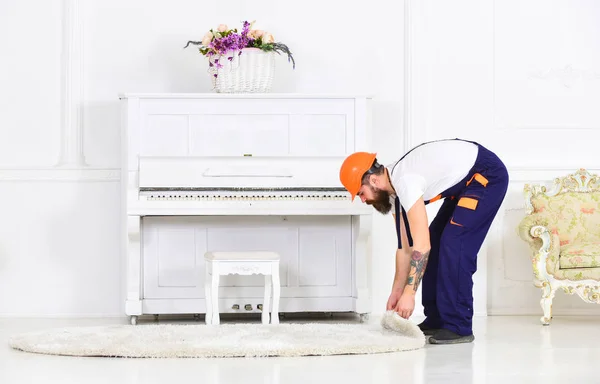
(242, 263)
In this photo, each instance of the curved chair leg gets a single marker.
(546, 303)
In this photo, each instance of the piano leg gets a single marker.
(361, 234)
(133, 304)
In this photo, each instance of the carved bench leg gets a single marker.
(546, 303)
(276, 293)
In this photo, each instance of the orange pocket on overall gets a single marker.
(464, 213)
(479, 178)
(468, 202)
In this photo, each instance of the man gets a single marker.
(472, 181)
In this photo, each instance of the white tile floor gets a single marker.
(506, 349)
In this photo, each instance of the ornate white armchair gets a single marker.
(562, 228)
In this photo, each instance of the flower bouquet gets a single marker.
(241, 62)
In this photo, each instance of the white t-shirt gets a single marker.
(430, 169)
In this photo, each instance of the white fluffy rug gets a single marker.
(226, 340)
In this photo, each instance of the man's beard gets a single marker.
(380, 201)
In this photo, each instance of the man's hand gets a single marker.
(393, 300)
(406, 305)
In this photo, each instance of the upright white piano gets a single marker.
(243, 172)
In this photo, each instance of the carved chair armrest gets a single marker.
(545, 259)
(536, 230)
(530, 221)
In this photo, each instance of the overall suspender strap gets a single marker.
(405, 219)
(397, 216)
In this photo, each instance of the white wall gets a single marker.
(476, 69)
(64, 259)
(522, 78)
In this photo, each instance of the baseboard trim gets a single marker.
(61, 316)
(555, 312)
(494, 312)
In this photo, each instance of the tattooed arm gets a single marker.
(418, 263)
(417, 218)
(419, 228)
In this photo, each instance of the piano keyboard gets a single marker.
(241, 194)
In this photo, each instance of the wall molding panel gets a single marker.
(546, 81)
(72, 77)
(415, 124)
(71, 164)
(408, 55)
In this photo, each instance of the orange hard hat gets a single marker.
(353, 168)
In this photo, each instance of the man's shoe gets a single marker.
(444, 336)
(427, 330)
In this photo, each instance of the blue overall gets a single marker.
(456, 235)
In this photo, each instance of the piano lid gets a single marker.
(183, 173)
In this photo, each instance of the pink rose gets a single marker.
(222, 27)
(207, 38)
(255, 33)
(268, 38)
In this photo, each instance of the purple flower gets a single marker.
(246, 28)
(232, 42)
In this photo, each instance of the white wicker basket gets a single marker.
(250, 72)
